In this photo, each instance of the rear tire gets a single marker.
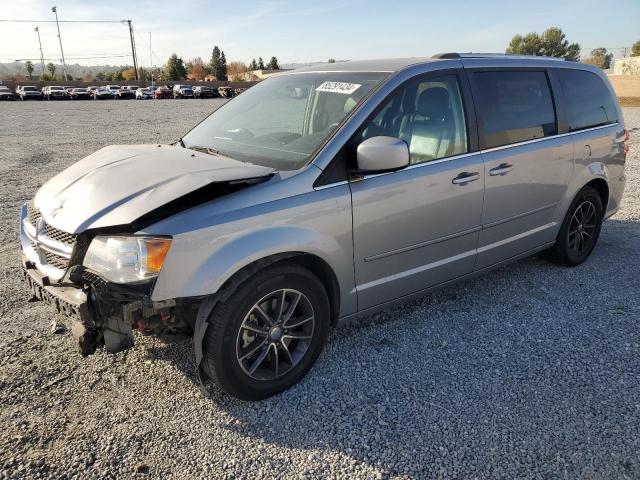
(267, 335)
(580, 229)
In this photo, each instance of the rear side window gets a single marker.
(589, 103)
(514, 107)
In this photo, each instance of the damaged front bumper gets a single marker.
(105, 314)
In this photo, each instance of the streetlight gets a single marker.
(64, 65)
(41, 54)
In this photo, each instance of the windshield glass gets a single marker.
(281, 121)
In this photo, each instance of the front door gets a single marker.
(419, 226)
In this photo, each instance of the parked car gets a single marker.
(226, 92)
(6, 93)
(131, 87)
(182, 91)
(162, 92)
(255, 236)
(103, 94)
(123, 94)
(204, 91)
(239, 90)
(29, 92)
(144, 93)
(92, 89)
(80, 94)
(68, 89)
(55, 92)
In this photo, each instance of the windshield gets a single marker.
(281, 121)
(30, 89)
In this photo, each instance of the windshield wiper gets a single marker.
(181, 142)
(208, 150)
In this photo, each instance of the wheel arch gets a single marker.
(602, 187)
(315, 264)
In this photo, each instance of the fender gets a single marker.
(230, 254)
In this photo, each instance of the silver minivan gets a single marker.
(321, 195)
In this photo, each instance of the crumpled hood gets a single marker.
(118, 184)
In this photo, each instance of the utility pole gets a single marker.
(64, 65)
(150, 60)
(41, 54)
(133, 49)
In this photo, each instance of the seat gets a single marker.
(429, 131)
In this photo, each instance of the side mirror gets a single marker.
(382, 154)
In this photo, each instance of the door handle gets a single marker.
(465, 177)
(501, 169)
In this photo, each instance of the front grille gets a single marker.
(59, 235)
(93, 279)
(56, 261)
(53, 233)
(33, 213)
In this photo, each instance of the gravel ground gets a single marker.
(531, 371)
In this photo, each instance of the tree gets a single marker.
(253, 65)
(260, 64)
(197, 69)
(273, 64)
(101, 76)
(237, 71)
(332, 60)
(635, 49)
(129, 74)
(223, 67)
(29, 67)
(218, 64)
(600, 58)
(174, 69)
(552, 43)
(87, 76)
(52, 69)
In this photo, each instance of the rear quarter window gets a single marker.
(588, 100)
(514, 106)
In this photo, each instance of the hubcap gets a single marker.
(582, 228)
(275, 335)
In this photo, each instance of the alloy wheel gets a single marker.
(582, 228)
(275, 335)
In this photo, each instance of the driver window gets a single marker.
(428, 115)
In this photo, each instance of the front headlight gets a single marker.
(127, 259)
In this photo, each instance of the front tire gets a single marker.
(267, 335)
(580, 229)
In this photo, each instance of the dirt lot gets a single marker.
(529, 372)
(627, 88)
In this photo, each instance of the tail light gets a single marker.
(626, 144)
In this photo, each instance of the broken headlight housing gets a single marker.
(121, 259)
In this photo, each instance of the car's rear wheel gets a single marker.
(580, 229)
(268, 333)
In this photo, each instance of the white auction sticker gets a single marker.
(338, 87)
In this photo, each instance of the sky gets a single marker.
(301, 31)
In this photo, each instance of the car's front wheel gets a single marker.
(580, 229)
(268, 334)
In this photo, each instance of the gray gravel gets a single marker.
(529, 372)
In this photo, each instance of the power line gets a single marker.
(12, 59)
(61, 21)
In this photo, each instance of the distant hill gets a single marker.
(76, 70)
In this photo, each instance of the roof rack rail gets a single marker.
(450, 55)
